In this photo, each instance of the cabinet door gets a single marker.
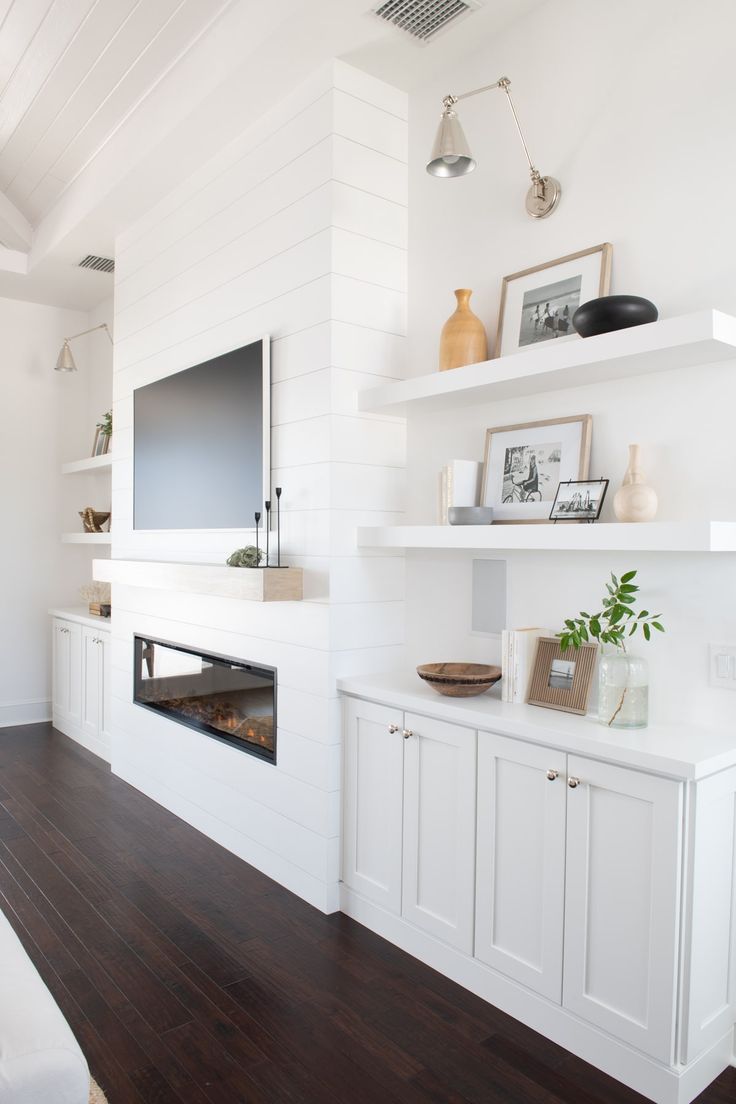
(67, 670)
(374, 771)
(105, 686)
(520, 882)
(624, 847)
(439, 829)
(710, 988)
(91, 682)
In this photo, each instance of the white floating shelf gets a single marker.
(91, 464)
(86, 538)
(692, 339)
(254, 584)
(666, 536)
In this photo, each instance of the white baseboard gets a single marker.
(24, 713)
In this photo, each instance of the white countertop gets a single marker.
(82, 615)
(679, 751)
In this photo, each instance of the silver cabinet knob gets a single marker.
(552, 774)
(393, 728)
(573, 783)
(407, 733)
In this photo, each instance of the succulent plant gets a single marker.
(250, 556)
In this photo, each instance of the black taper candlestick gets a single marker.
(278, 526)
(268, 525)
(258, 518)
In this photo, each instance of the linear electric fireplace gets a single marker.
(226, 698)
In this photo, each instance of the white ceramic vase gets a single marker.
(634, 500)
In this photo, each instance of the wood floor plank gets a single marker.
(190, 978)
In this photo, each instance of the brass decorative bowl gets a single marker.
(93, 520)
(459, 680)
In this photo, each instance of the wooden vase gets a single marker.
(463, 338)
(634, 500)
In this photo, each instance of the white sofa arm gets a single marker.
(40, 1060)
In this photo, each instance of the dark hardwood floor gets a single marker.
(191, 978)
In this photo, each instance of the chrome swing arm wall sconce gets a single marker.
(65, 360)
(451, 154)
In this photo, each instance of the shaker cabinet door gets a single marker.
(67, 670)
(91, 683)
(520, 882)
(374, 778)
(439, 829)
(622, 902)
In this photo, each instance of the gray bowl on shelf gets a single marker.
(470, 515)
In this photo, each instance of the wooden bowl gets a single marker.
(459, 680)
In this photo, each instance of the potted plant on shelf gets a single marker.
(623, 679)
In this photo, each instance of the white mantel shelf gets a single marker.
(217, 580)
(683, 342)
(90, 464)
(665, 536)
(682, 751)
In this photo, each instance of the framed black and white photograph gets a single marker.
(579, 500)
(537, 304)
(525, 464)
(561, 680)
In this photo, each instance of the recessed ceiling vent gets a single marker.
(99, 264)
(424, 19)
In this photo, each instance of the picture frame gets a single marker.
(562, 680)
(524, 464)
(101, 443)
(579, 500)
(538, 308)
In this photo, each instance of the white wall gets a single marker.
(297, 230)
(44, 421)
(629, 105)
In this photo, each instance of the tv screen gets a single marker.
(202, 444)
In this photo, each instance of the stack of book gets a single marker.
(459, 486)
(518, 649)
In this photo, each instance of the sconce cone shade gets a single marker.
(65, 360)
(450, 154)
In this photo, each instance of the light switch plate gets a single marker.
(723, 666)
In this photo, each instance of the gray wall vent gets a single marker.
(99, 264)
(423, 19)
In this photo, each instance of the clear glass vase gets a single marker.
(623, 689)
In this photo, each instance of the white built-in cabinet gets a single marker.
(81, 681)
(410, 818)
(606, 891)
(578, 885)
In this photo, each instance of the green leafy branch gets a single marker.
(105, 425)
(617, 619)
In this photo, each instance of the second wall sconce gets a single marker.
(65, 360)
(451, 154)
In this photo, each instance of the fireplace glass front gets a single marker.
(226, 698)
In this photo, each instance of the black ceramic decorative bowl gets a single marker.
(613, 312)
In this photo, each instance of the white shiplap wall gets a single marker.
(298, 230)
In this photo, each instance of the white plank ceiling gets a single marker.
(71, 71)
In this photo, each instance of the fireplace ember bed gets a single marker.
(228, 699)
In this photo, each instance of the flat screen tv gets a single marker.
(202, 444)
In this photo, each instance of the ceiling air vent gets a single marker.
(99, 264)
(423, 19)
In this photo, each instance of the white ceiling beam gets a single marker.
(16, 231)
(13, 260)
